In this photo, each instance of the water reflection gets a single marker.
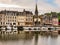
(36, 39)
(48, 40)
(29, 39)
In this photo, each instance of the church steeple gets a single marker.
(36, 17)
(36, 10)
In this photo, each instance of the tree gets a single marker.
(47, 13)
(58, 15)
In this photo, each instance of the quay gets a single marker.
(31, 31)
(18, 34)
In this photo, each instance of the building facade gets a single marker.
(21, 19)
(55, 22)
(8, 18)
(47, 20)
(15, 18)
(2, 19)
(29, 18)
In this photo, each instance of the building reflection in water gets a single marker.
(29, 39)
(16, 36)
(36, 39)
(48, 40)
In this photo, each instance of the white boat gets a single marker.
(14, 27)
(44, 28)
(3, 28)
(51, 28)
(57, 28)
(8, 28)
(14, 30)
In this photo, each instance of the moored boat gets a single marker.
(8, 28)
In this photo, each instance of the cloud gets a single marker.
(43, 5)
(6, 1)
(57, 2)
(7, 5)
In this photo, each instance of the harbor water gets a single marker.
(29, 39)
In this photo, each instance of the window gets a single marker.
(18, 23)
(1, 23)
(14, 23)
(15, 17)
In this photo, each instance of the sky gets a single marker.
(44, 6)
